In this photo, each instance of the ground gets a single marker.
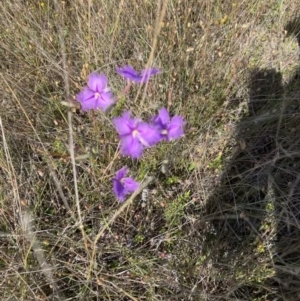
(220, 220)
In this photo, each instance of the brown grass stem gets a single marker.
(59, 11)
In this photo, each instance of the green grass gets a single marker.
(220, 220)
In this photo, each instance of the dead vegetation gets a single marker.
(221, 219)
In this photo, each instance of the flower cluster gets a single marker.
(134, 133)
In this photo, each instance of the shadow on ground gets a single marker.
(254, 248)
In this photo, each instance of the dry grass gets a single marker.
(222, 223)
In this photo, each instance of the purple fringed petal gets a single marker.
(175, 128)
(130, 185)
(119, 190)
(163, 117)
(128, 72)
(97, 82)
(89, 105)
(146, 73)
(106, 100)
(85, 94)
(124, 124)
(148, 134)
(131, 146)
(121, 173)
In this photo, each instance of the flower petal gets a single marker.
(148, 134)
(131, 146)
(163, 116)
(89, 105)
(130, 184)
(97, 82)
(146, 73)
(119, 190)
(175, 128)
(106, 100)
(85, 94)
(124, 124)
(128, 72)
(121, 173)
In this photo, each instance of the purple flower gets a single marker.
(169, 129)
(123, 185)
(146, 73)
(135, 135)
(96, 94)
(129, 73)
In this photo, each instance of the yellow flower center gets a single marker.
(164, 132)
(97, 95)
